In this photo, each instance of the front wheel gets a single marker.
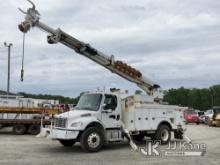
(67, 143)
(163, 134)
(92, 139)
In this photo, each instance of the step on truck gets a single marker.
(103, 117)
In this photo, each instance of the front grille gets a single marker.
(59, 122)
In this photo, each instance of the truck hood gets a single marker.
(75, 114)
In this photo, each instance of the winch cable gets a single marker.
(22, 67)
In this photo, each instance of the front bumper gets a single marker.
(58, 134)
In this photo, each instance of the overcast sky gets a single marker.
(172, 42)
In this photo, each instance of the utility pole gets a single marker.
(212, 97)
(9, 63)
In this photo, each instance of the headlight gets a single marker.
(77, 124)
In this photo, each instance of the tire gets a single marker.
(67, 143)
(92, 139)
(197, 123)
(163, 134)
(34, 129)
(19, 129)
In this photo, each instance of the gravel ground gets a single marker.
(30, 150)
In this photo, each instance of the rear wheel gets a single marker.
(34, 129)
(163, 134)
(67, 143)
(92, 139)
(19, 129)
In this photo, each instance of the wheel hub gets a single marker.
(164, 135)
(94, 140)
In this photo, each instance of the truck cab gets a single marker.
(95, 111)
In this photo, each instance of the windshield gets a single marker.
(89, 102)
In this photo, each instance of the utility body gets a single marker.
(105, 117)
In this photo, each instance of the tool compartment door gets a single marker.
(142, 119)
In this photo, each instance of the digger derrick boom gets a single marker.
(32, 19)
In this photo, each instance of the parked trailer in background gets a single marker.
(26, 120)
(25, 115)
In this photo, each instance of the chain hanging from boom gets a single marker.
(22, 65)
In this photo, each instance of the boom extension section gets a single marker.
(32, 19)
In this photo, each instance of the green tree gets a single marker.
(201, 99)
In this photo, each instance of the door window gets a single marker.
(110, 102)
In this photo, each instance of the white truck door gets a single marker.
(111, 112)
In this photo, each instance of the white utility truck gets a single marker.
(102, 117)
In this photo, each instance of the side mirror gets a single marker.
(103, 106)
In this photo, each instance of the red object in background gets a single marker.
(63, 107)
(191, 116)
